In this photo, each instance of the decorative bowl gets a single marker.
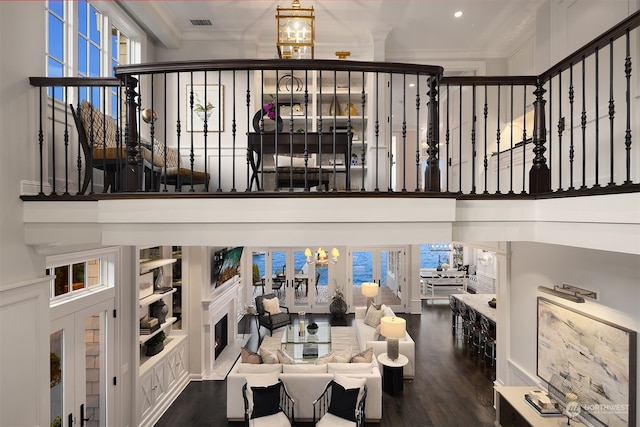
(311, 330)
(492, 304)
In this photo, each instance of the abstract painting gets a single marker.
(595, 357)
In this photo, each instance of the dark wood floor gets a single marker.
(451, 387)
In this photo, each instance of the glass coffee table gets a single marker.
(306, 347)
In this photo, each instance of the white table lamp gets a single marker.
(370, 290)
(393, 328)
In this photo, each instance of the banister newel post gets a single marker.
(539, 175)
(131, 174)
(432, 169)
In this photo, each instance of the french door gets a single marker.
(299, 285)
(384, 266)
(81, 355)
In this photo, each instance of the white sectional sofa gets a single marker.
(366, 340)
(305, 383)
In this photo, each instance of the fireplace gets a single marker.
(221, 336)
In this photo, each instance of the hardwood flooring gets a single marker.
(452, 388)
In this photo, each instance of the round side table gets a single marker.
(392, 373)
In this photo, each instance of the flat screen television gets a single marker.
(224, 265)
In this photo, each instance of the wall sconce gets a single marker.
(370, 290)
(321, 256)
(568, 292)
(296, 31)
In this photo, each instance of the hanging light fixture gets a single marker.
(321, 257)
(296, 31)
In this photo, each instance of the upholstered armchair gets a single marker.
(271, 314)
(267, 406)
(341, 406)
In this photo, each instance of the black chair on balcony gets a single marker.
(271, 314)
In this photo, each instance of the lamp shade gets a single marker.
(393, 327)
(369, 289)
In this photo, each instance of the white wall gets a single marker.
(18, 140)
(614, 276)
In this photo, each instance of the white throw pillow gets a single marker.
(387, 311)
(271, 306)
(268, 357)
(373, 316)
(327, 358)
(284, 358)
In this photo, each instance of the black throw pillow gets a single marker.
(343, 402)
(266, 400)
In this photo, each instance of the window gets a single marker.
(75, 274)
(83, 41)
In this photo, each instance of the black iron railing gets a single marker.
(334, 127)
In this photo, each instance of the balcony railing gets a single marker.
(344, 127)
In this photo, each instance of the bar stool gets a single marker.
(476, 332)
(454, 314)
(489, 339)
(463, 312)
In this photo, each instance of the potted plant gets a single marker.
(312, 328)
(338, 306)
(155, 344)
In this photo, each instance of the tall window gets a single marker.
(82, 41)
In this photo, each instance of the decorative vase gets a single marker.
(152, 350)
(159, 310)
(334, 108)
(277, 123)
(338, 307)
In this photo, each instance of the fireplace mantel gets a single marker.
(223, 300)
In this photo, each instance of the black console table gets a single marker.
(296, 143)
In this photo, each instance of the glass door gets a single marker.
(81, 362)
(382, 266)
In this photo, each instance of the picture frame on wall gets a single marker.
(594, 358)
(207, 104)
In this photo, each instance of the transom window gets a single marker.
(75, 274)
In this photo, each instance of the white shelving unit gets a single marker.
(163, 376)
(328, 100)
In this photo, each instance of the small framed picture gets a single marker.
(145, 285)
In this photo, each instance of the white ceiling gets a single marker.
(411, 28)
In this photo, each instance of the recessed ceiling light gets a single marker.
(458, 14)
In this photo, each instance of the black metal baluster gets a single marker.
(320, 130)
(53, 142)
(164, 135)
(612, 113)
(583, 126)
(473, 141)
(560, 131)
(41, 143)
(335, 125)
(550, 145)
(571, 146)
(511, 146)
(460, 142)
(249, 156)
(627, 135)
(178, 129)
(597, 122)
(363, 102)
(306, 130)
(390, 142)
(220, 127)
(498, 149)
(404, 133)
(377, 130)
(233, 140)
(486, 126)
(524, 137)
(447, 135)
(417, 132)
(349, 135)
(66, 139)
(152, 131)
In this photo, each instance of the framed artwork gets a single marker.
(594, 359)
(208, 104)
